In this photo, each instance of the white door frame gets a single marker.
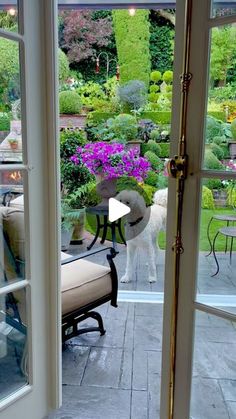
(195, 134)
(38, 60)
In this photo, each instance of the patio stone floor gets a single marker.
(117, 376)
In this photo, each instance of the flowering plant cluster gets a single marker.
(112, 160)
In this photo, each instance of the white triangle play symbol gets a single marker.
(117, 210)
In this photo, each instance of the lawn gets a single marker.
(205, 218)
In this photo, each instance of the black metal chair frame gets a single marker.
(71, 320)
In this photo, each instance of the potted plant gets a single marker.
(69, 216)
(109, 161)
(13, 142)
(77, 202)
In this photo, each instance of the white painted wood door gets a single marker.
(36, 290)
(215, 302)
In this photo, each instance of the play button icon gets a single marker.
(116, 210)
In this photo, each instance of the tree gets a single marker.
(83, 35)
(223, 50)
(132, 41)
(9, 72)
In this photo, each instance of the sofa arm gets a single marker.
(111, 253)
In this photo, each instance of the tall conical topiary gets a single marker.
(132, 41)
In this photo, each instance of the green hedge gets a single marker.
(157, 117)
(97, 117)
(165, 150)
(4, 121)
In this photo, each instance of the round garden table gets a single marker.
(228, 232)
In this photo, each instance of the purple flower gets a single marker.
(112, 160)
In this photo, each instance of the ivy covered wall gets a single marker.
(132, 42)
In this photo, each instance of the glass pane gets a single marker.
(216, 284)
(223, 8)
(10, 104)
(9, 15)
(12, 233)
(220, 132)
(13, 342)
(214, 368)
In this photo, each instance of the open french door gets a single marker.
(30, 303)
(199, 369)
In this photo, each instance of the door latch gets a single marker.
(177, 167)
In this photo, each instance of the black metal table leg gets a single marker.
(214, 254)
(231, 249)
(104, 234)
(208, 236)
(120, 231)
(113, 236)
(97, 233)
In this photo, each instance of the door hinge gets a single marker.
(177, 167)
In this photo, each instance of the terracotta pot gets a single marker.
(133, 144)
(14, 145)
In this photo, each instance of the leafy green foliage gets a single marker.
(63, 63)
(152, 178)
(216, 128)
(154, 147)
(72, 176)
(132, 95)
(80, 198)
(211, 162)
(154, 160)
(217, 151)
(155, 76)
(69, 102)
(123, 127)
(9, 72)
(4, 121)
(207, 198)
(164, 150)
(90, 91)
(132, 42)
(223, 50)
(233, 129)
(161, 46)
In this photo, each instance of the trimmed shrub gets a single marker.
(211, 162)
(154, 147)
(164, 150)
(152, 178)
(155, 135)
(154, 88)
(231, 196)
(168, 77)
(207, 198)
(69, 102)
(64, 71)
(158, 117)
(161, 45)
(132, 42)
(155, 76)
(217, 151)
(154, 160)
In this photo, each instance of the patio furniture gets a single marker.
(101, 211)
(228, 232)
(5, 195)
(228, 218)
(84, 285)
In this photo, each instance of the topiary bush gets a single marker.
(207, 198)
(154, 160)
(211, 162)
(69, 102)
(155, 135)
(217, 151)
(63, 63)
(132, 42)
(154, 147)
(155, 76)
(168, 77)
(231, 196)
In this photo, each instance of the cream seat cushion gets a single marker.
(83, 282)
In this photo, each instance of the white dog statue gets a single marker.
(142, 226)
